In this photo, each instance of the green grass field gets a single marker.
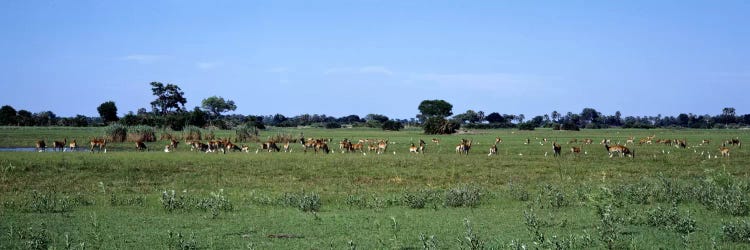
(666, 197)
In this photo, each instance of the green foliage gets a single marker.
(463, 196)
(526, 126)
(48, 202)
(435, 108)
(168, 98)
(217, 105)
(116, 132)
(191, 133)
(246, 133)
(7, 115)
(175, 240)
(141, 133)
(108, 112)
(392, 125)
(439, 125)
(737, 231)
(332, 125)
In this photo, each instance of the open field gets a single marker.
(665, 197)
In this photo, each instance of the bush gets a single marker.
(526, 126)
(141, 133)
(116, 132)
(392, 125)
(332, 125)
(463, 196)
(738, 231)
(246, 133)
(191, 132)
(439, 125)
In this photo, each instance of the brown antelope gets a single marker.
(59, 145)
(287, 148)
(575, 150)
(320, 145)
(140, 146)
(705, 141)
(680, 143)
(464, 147)
(556, 148)
(733, 142)
(101, 144)
(413, 149)
(270, 146)
(357, 147)
(629, 141)
(493, 150)
(421, 146)
(231, 146)
(724, 151)
(245, 149)
(527, 142)
(372, 147)
(619, 149)
(436, 141)
(500, 140)
(588, 141)
(382, 146)
(645, 140)
(173, 144)
(605, 141)
(41, 146)
(168, 148)
(73, 145)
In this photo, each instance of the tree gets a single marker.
(376, 117)
(25, 118)
(108, 111)
(167, 98)
(8, 115)
(470, 116)
(392, 125)
(197, 118)
(217, 105)
(434, 108)
(495, 117)
(555, 116)
(440, 125)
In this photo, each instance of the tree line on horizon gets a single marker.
(435, 117)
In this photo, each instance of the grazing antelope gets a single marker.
(500, 140)
(73, 145)
(245, 149)
(436, 141)
(493, 150)
(421, 146)
(575, 150)
(645, 140)
(413, 149)
(101, 144)
(382, 146)
(59, 145)
(705, 141)
(733, 142)
(680, 143)
(270, 146)
(287, 148)
(41, 146)
(629, 141)
(724, 151)
(372, 147)
(619, 149)
(173, 144)
(605, 141)
(140, 146)
(464, 147)
(556, 148)
(527, 142)
(231, 146)
(167, 148)
(588, 141)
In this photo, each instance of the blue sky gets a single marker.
(384, 57)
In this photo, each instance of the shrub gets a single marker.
(304, 201)
(332, 125)
(48, 202)
(463, 196)
(526, 126)
(116, 132)
(738, 231)
(141, 133)
(280, 137)
(34, 238)
(392, 125)
(191, 132)
(439, 125)
(246, 133)
(180, 242)
(418, 199)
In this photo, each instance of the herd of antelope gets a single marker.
(380, 146)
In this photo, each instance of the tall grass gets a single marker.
(116, 132)
(191, 132)
(141, 133)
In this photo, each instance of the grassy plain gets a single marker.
(522, 196)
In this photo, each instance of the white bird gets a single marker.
(545, 154)
(256, 151)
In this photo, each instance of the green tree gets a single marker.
(392, 125)
(217, 105)
(434, 108)
(495, 117)
(108, 112)
(167, 98)
(7, 115)
(25, 118)
(440, 125)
